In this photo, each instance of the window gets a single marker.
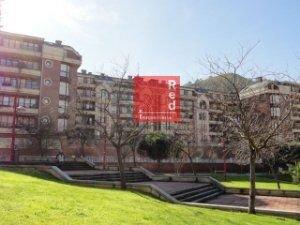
(6, 120)
(9, 62)
(28, 102)
(64, 70)
(88, 120)
(23, 121)
(61, 124)
(62, 106)
(6, 100)
(275, 111)
(63, 88)
(88, 106)
(31, 84)
(275, 99)
(202, 116)
(8, 81)
(129, 109)
(185, 92)
(202, 105)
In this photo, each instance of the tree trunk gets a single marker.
(193, 168)
(121, 168)
(274, 174)
(134, 159)
(252, 193)
(41, 148)
(82, 150)
(158, 165)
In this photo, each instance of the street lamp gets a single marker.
(13, 138)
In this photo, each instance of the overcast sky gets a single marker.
(163, 37)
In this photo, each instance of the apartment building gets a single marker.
(201, 112)
(38, 82)
(271, 93)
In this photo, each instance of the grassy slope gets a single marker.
(261, 183)
(33, 200)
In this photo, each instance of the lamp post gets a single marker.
(14, 123)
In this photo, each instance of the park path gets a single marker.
(262, 202)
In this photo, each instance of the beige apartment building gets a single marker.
(200, 110)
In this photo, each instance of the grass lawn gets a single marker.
(242, 181)
(30, 197)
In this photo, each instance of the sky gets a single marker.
(164, 37)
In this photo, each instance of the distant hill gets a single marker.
(218, 83)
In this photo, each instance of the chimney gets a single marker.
(58, 42)
(259, 79)
(83, 71)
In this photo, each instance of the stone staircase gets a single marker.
(197, 194)
(74, 165)
(130, 176)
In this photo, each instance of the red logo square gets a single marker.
(156, 99)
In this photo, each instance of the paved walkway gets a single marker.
(262, 202)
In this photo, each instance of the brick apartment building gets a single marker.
(271, 93)
(37, 83)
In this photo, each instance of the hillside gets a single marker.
(218, 83)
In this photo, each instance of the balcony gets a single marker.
(86, 85)
(12, 89)
(87, 111)
(295, 117)
(31, 72)
(212, 121)
(215, 109)
(20, 51)
(11, 69)
(72, 61)
(296, 130)
(6, 109)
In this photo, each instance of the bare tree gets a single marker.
(185, 145)
(133, 144)
(81, 134)
(82, 131)
(118, 130)
(252, 124)
(42, 133)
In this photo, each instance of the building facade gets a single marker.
(38, 81)
(201, 116)
(272, 93)
(40, 85)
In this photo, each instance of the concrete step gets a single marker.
(189, 191)
(103, 176)
(71, 166)
(194, 192)
(129, 176)
(211, 196)
(200, 195)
